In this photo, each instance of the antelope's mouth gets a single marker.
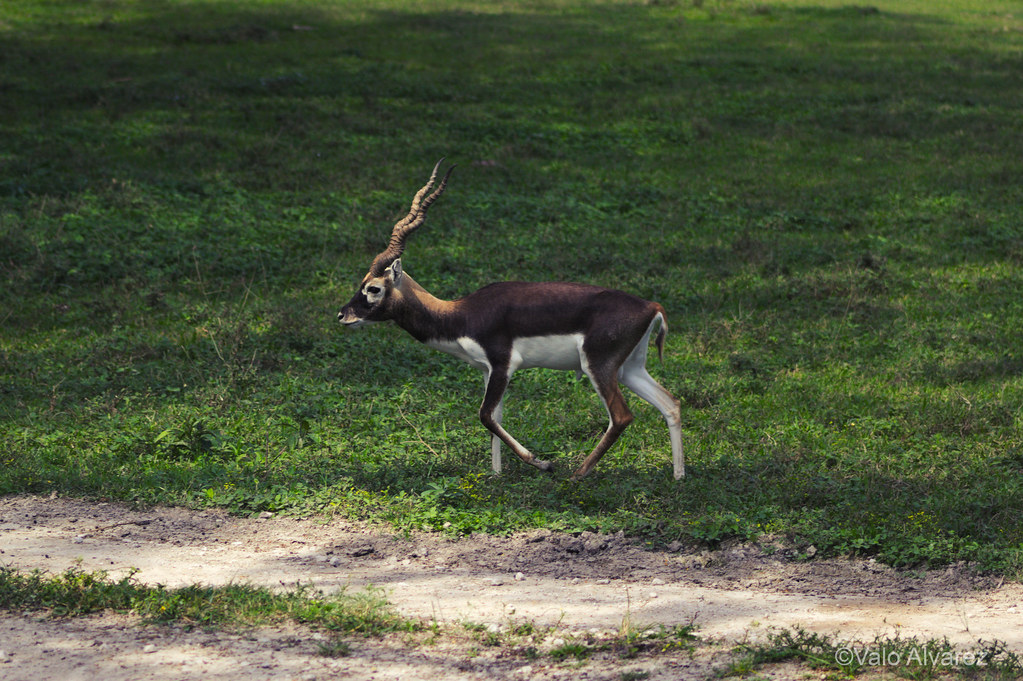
(349, 320)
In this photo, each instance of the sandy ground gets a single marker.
(585, 583)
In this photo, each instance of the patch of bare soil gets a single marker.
(585, 583)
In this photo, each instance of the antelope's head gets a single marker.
(376, 298)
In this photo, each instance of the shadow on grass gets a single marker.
(303, 97)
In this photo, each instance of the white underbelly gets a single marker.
(550, 352)
(465, 349)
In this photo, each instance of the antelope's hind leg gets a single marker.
(605, 381)
(635, 377)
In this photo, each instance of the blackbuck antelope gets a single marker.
(512, 325)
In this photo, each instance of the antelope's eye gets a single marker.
(373, 289)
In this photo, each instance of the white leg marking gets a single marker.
(635, 377)
(495, 441)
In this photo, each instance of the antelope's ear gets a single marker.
(395, 270)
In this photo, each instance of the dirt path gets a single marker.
(578, 583)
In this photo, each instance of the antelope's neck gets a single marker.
(425, 316)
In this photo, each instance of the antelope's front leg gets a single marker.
(495, 441)
(490, 415)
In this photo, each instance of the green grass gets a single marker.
(824, 197)
(75, 593)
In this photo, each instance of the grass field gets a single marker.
(825, 198)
